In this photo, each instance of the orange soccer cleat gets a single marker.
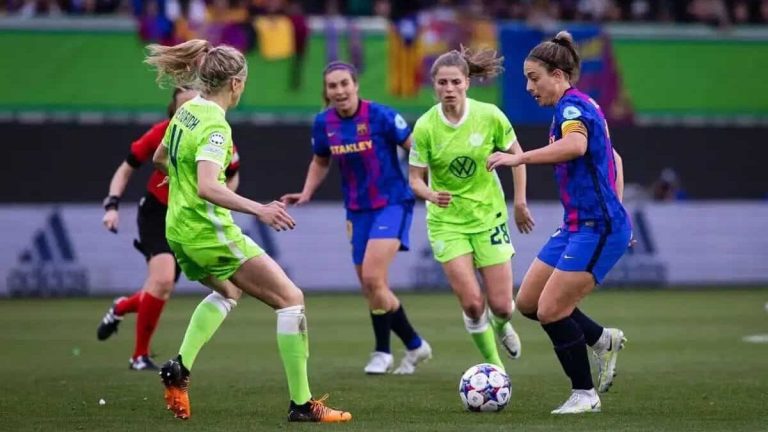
(175, 378)
(316, 411)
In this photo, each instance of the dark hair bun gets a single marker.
(563, 38)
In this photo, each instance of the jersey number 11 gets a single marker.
(173, 147)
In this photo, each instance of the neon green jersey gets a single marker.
(197, 132)
(455, 155)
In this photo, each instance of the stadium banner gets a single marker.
(649, 74)
(63, 250)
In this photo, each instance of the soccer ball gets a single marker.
(485, 387)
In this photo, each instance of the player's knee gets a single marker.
(501, 312)
(501, 307)
(474, 307)
(367, 293)
(223, 303)
(292, 297)
(549, 313)
(161, 286)
(526, 306)
(373, 284)
(233, 293)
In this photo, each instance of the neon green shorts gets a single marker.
(220, 260)
(487, 248)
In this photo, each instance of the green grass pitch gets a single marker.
(685, 368)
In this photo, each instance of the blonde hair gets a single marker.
(559, 53)
(482, 63)
(196, 64)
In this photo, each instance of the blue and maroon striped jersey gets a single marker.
(587, 184)
(365, 148)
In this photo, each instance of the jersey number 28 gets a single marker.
(500, 235)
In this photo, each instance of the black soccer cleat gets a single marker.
(108, 324)
(142, 363)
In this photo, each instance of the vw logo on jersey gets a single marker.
(463, 167)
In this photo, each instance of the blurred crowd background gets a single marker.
(197, 12)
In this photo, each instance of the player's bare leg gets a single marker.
(263, 278)
(498, 283)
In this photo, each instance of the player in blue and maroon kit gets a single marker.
(596, 229)
(148, 302)
(362, 137)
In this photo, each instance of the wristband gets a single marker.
(111, 202)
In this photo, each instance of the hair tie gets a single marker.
(560, 42)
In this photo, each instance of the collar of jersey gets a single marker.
(461, 120)
(204, 101)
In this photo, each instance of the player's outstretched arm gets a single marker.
(120, 179)
(569, 147)
(116, 188)
(316, 174)
(209, 189)
(416, 177)
(523, 219)
(619, 175)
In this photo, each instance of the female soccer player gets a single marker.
(466, 210)
(208, 246)
(363, 136)
(596, 229)
(148, 302)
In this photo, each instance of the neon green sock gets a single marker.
(293, 344)
(497, 323)
(206, 319)
(486, 343)
(294, 352)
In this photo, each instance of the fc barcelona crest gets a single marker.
(362, 129)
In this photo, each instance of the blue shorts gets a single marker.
(586, 250)
(390, 222)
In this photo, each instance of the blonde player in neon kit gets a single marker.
(208, 246)
(466, 210)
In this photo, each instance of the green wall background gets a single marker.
(695, 77)
(103, 71)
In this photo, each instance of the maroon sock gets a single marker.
(150, 309)
(129, 304)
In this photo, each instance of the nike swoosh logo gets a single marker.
(568, 257)
(594, 405)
